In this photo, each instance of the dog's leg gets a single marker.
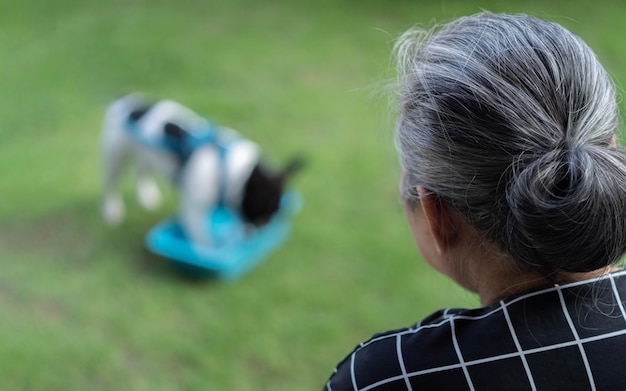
(116, 149)
(146, 190)
(199, 194)
(193, 219)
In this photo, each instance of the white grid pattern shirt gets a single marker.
(566, 337)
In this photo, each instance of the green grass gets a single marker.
(85, 307)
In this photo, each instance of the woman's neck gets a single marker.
(496, 279)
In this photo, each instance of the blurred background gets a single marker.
(86, 307)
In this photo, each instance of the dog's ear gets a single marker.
(262, 193)
(291, 168)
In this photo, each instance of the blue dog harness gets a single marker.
(183, 146)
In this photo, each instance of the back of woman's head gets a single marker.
(510, 120)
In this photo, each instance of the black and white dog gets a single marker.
(210, 165)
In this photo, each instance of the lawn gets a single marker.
(86, 307)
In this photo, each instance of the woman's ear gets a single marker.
(440, 218)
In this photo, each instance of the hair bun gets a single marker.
(566, 209)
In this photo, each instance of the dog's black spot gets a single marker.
(174, 131)
(139, 112)
(178, 140)
(262, 194)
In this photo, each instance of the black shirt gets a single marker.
(566, 337)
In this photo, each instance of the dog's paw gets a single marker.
(148, 194)
(113, 210)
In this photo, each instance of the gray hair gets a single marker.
(510, 119)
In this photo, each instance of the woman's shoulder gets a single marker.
(432, 324)
(381, 359)
(452, 346)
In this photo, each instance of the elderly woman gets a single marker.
(514, 188)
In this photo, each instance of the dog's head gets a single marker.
(263, 191)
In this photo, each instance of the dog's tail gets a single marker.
(294, 165)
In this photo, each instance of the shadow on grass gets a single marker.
(74, 236)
